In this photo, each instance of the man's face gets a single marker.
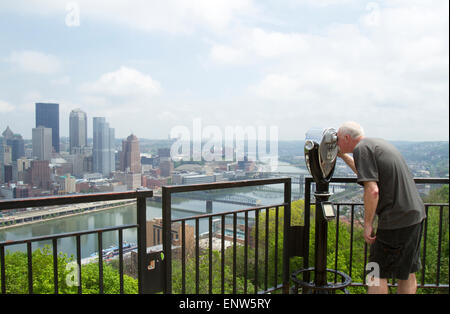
(343, 142)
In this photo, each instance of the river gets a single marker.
(122, 216)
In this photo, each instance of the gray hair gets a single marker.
(352, 128)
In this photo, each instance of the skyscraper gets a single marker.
(42, 143)
(103, 150)
(130, 157)
(16, 142)
(3, 148)
(165, 163)
(3, 158)
(47, 115)
(77, 129)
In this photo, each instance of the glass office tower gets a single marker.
(103, 151)
(47, 115)
(77, 129)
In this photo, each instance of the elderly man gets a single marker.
(391, 194)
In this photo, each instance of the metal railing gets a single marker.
(167, 193)
(350, 220)
(248, 234)
(140, 197)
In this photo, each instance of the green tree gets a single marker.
(437, 239)
(42, 268)
(203, 281)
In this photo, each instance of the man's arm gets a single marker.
(349, 161)
(370, 206)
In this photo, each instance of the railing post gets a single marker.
(307, 223)
(321, 236)
(286, 226)
(142, 240)
(167, 238)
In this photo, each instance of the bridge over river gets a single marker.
(243, 198)
(236, 199)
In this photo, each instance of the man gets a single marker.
(391, 194)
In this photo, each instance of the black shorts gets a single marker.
(397, 251)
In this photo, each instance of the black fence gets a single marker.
(140, 197)
(353, 218)
(257, 212)
(251, 249)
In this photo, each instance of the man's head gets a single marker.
(349, 134)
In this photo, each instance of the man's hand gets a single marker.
(369, 236)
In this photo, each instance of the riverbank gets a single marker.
(57, 212)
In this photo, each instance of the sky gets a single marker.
(150, 66)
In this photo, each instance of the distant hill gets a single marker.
(423, 157)
(419, 151)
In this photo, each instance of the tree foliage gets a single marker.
(16, 273)
(349, 255)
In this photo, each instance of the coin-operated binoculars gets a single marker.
(321, 151)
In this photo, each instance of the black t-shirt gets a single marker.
(399, 202)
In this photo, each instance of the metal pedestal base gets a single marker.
(325, 289)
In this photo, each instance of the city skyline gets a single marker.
(149, 67)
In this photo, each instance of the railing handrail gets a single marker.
(71, 199)
(223, 185)
(353, 179)
(67, 235)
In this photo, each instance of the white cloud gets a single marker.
(250, 45)
(61, 81)
(391, 67)
(323, 3)
(174, 16)
(387, 68)
(167, 116)
(6, 107)
(125, 82)
(227, 54)
(279, 87)
(125, 92)
(275, 44)
(35, 62)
